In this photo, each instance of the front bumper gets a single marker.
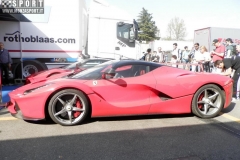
(27, 107)
(14, 110)
(228, 94)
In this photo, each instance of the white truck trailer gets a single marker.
(64, 30)
(205, 36)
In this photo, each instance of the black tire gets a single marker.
(59, 112)
(38, 66)
(208, 101)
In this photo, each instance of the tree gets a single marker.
(176, 29)
(147, 26)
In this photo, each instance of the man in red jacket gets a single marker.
(218, 53)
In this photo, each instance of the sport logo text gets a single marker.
(22, 6)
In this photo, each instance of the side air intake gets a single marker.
(164, 97)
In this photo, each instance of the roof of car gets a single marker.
(136, 62)
(99, 59)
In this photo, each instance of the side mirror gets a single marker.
(108, 74)
(136, 29)
(136, 34)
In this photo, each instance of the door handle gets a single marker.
(117, 48)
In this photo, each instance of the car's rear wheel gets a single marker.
(208, 101)
(68, 107)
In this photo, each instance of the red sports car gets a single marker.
(71, 68)
(120, 88)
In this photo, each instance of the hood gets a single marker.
(52, 82)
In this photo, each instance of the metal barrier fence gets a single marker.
(190, 66)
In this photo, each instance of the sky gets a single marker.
(196, 14)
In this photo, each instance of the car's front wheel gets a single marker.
(68, 107)
(208, 101)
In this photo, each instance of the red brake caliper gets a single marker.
(78, 105)
(200, 105)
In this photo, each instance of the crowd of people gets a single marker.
(196, 59)
(224, 59)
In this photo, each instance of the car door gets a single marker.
(128, 93)
(167, 99)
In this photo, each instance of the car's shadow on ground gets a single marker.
(3, 111)
(230, 108)
(122, 118)
(142, 117)
(41, 122)
(127, 118)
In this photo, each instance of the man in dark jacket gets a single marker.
(227, 65)
(5, 64)
(148, 56)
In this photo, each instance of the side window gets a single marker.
(125, 34)
(123, 31)
(131, 34)
(131, 71)
(153, 67)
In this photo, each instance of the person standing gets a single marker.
(174, 61)
(197, 58)
(165, 57)
(155, 57)
(229, 48)
(218, 53)
(238, 50)
(185, 56)
(160, 54)
(5, 64)
(228, 65)
(143, 57)
(176, 51)
(207, 58)
(148, 56)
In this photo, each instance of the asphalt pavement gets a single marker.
(166, 137)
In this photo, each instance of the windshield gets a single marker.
(93, 73)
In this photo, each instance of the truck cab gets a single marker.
(112, 33)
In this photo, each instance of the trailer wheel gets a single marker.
(29, 67)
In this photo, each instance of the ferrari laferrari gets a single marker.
(122, 88)
(65, 70)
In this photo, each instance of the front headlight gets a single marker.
(34, 89)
